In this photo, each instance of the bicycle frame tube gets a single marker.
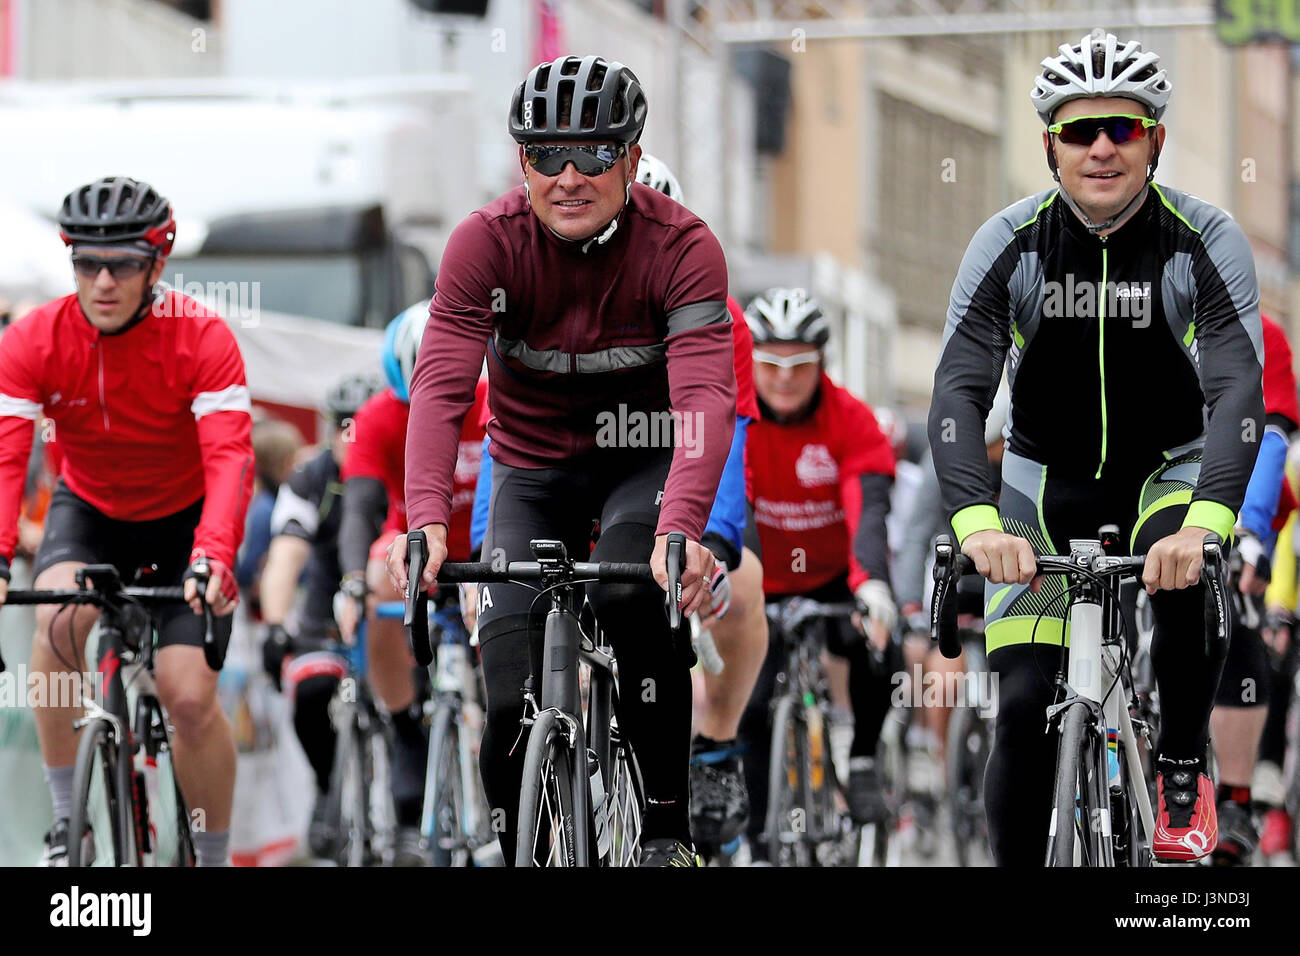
(1128, 740)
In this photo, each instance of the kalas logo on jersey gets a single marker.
(816, 466)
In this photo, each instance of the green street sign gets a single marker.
(1257, 21)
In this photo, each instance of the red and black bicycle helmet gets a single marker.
(118, 209)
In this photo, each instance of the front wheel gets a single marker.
(1080, 809)
(443, 823)
(101, 799)
(968, 754)
(786, 827)
(546, 813)
(349, 797)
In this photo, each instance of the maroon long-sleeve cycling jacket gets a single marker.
(588, 346)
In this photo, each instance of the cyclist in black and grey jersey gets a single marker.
(1124, 312)
(304, 549)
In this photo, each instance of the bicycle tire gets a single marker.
(1066, 793)
(825, 830)
(99, 749)
(879, 842)
(965, 786)
(349, 796)
(547, 792)
(789, 752)
(443, 822)
(184, 837)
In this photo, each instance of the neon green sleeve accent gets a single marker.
(1212, 516)
(978, 518)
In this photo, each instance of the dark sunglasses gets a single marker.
(88, 267)
(1083, 130)
(587, 160)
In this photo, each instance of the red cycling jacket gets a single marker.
(1280, 398)
(743, 348)
(821, 494)
(378, 450)
(148, 420)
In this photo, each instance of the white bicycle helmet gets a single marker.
(401, 346)
(656, 174)
(1099, 65)
(787, 315)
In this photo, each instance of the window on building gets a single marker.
(941, 181)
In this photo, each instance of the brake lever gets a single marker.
(203, 574)
(675, 562)
(416, 616)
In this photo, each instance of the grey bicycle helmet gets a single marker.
(787, 315)
(118, 209)
(578, 98)
(349, 394)
(1100, 65)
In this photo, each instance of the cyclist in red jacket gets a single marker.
(147, 394)
(820, 474)
(373, 515)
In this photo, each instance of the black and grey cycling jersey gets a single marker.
(1121, 351)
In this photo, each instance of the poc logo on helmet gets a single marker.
(528, 114)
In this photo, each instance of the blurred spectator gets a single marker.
(276, 444)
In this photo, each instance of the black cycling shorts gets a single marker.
(76, 530)
(750, 535)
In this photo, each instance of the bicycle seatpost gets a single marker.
(416, 618)
(675, 562)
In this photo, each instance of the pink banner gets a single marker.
(548, 38)
(7, 19)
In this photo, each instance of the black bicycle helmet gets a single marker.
(349, 394)
(118, 209)
(578, 98)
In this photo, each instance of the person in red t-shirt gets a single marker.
(147, 395)
(374, 514)
(820, 471)
(719, 799)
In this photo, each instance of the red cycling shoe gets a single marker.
(1187, 822)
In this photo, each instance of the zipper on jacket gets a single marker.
(103, 404)
(1101, 352)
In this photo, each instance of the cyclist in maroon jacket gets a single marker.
(601, 306)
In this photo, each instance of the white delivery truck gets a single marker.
(328, 201)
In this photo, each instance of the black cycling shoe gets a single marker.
(1237, 835)
(719, 803)
(321, 838)
(866, 796)
(56, 846)
(668, 852)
